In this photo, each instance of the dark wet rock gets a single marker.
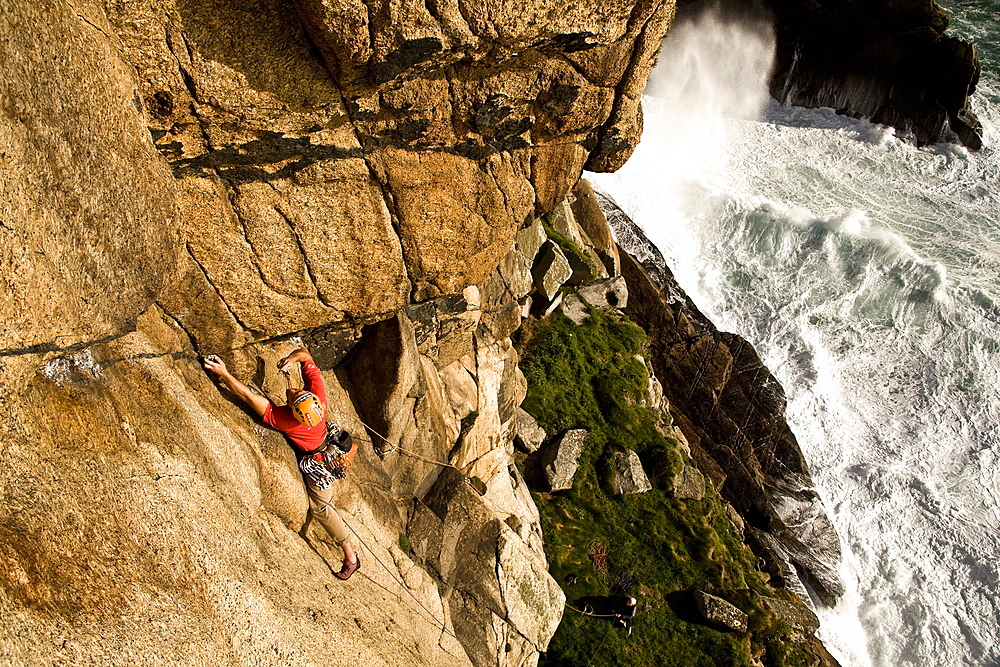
(886, 60)
(731, 411)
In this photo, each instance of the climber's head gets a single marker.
(305, 406)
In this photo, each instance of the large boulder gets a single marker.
(390, 379)
(720, 613)
(515, 268)
(607, 294)
(588, 214)
(551, 271)
(800, 618)
(586, 264)
(561, 459)
(528, 435)
(689, 484)
(627, 475)
(500, 593)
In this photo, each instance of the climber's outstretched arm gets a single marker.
(216, 366)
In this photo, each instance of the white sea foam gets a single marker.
(867, 274)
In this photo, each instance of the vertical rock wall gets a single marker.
(187, 177)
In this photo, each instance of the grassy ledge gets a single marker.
(650, 545)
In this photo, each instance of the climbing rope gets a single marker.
(586, 613)
(394, 447)
(402, 585)
(600, 646)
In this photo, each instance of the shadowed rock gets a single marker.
(886, 60)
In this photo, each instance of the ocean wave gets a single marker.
(866, 272)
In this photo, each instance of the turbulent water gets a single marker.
(867, 274)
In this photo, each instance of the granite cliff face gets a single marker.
(181, 178)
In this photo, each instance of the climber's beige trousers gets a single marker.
(323, 510)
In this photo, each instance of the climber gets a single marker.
(302, 422)
(625, 608)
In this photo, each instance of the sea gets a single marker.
(866, 272)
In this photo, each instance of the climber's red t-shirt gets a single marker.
(305, 438)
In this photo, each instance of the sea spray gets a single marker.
(865, 272)
(714, 65)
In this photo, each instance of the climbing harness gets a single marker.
(329, 463)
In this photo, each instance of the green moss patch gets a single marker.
(592, 377)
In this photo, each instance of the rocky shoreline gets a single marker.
(889, 62)
(731, 410)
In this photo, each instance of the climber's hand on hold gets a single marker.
(299, 355)
(213, 364)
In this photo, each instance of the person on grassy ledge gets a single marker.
(302, 421)
(625, 608)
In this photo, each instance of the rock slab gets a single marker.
(561, 459)
(528, 435)
(689, 484)
(552, 270)
(627, 475)
(801, 618)
(720, 613)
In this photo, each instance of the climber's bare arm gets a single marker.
(295, 357)
(216, 366)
